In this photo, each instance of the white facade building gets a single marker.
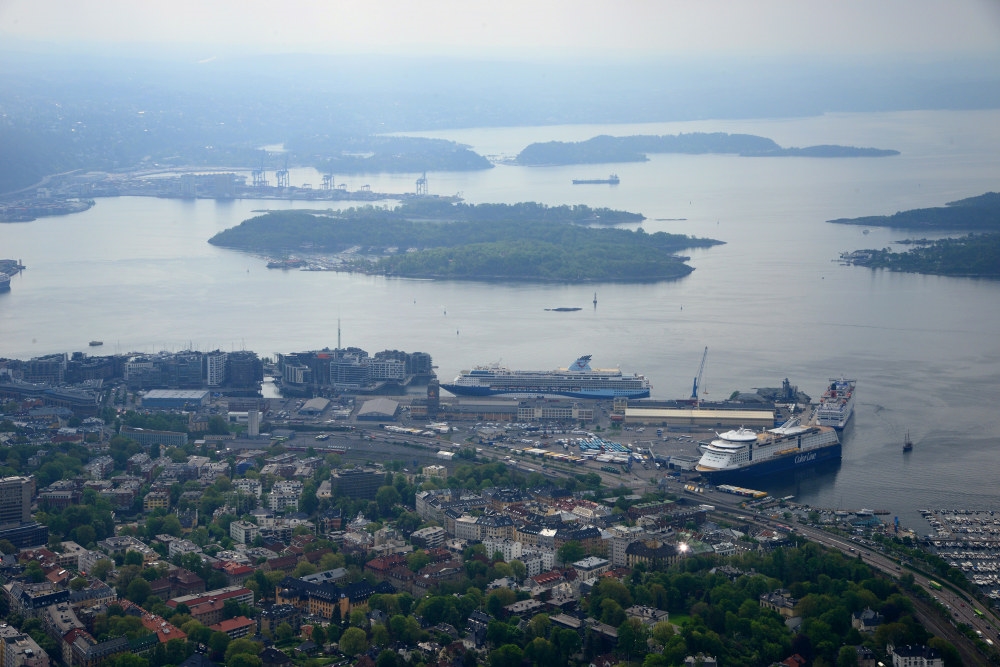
(251, 487)
(243, 532)
(215, 368)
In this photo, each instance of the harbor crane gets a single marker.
(282, 175)
(697, 381)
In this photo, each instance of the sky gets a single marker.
(520, 29)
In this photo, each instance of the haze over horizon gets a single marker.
(121, 82)
(517, 29)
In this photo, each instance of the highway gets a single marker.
(935, 620)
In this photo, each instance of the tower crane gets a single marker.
(697, 381)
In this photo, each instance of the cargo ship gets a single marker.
(743, 454)
(836, 405)
(612, 179)
(577, 381)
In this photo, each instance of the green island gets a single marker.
(973, 213)
(438, 239)
(605, 149)
(975, 255)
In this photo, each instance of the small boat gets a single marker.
(96, 343)
(907, 443)
(563, 309)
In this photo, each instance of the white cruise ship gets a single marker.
(837, 404)
(741, 454)
(577, 381)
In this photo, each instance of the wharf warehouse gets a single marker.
(695, 418)
(175, 399)
(379, 409)
(314, 406)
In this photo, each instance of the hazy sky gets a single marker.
(526, 28)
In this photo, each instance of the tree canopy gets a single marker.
(525, 241)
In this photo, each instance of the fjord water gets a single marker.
(771, 303)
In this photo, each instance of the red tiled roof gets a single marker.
(164, 630)
(208, 606)
(237, 569)
(546, 577)
(232, 624)
(283, 562)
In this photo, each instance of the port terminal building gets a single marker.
(513, 409)
(692, 418)
(175, 399)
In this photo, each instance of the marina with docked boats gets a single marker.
(968, 540)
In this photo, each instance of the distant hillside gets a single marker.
(605, 149)
(974, 213)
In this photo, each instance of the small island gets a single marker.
(973, 255)
(608, 149)
(434, 239)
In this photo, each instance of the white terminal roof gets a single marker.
(185, 394)
(379, 406)
(692, 413)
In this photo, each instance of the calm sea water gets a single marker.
(772, 303)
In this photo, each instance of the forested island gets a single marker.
(604, 148)
(386, 154)
(435, 239)
(973, 213)
(973, 256)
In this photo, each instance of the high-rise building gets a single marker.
(50, 369)
(15, 501)
(215, 368)
(185, 370)
(357, 483)
(245, 369)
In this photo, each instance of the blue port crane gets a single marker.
(697, 381)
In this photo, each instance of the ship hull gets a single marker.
(463, 390)
(775, 465)
(579, 380)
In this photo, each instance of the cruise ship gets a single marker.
(742, 454)
(837, 404)
(577, 381)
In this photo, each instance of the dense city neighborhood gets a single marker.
(144, 522)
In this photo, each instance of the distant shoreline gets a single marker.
(607, 149)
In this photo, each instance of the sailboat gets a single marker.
(907, 443)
